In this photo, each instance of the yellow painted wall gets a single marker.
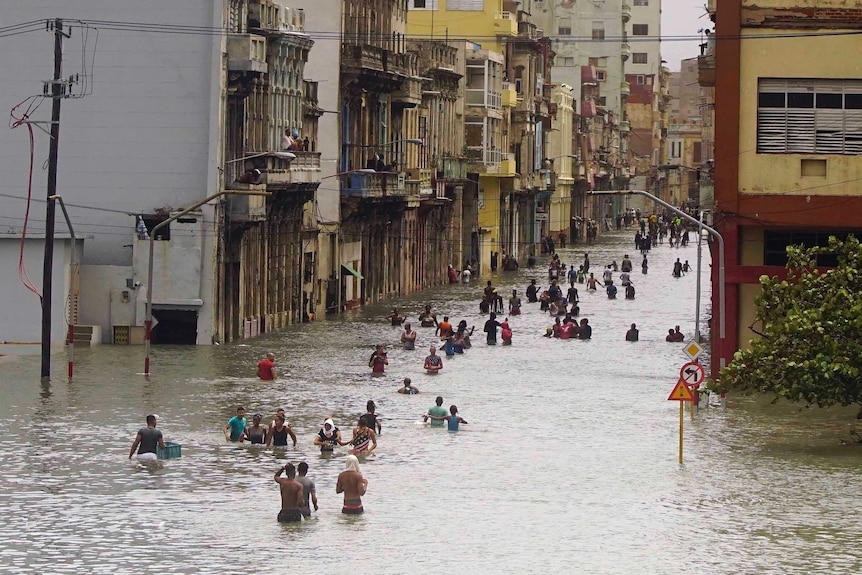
(747, 293)
(801, 4)
(489, 212)
(797, 57)
(560, 211)
(751, 246)
(458, 23)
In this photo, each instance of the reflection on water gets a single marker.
(569, 462)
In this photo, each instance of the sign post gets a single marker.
(681, 393)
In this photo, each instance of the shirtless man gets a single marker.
(408, 388)
(353, 485)
(291, 495)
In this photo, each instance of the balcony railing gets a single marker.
(243, 208)
(369, 57)
(454, 168)
(505, 23)
(509, 95)
(373, 185)
(480, 98)
(305, 169)
(409, 94)
(706, 70)
(625, 89)
(246, 53)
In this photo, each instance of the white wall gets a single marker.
(21, 313)
(138, 142)
(147, 136)
(323, 24)
(101, 298)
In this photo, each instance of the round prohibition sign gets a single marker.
(692, 373)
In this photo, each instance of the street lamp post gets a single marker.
(148, 322)
(712, 232)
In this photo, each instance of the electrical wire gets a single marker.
(23, 276)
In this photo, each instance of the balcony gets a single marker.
(483, 160)
(303, 171)
(625, 51)
(246, 209)
(626, 13)
(589, 76)
(453, 169)
(509, 95)
(246, 53)
(479, 98)
(507, 165)
(625, 127)
(409, 95)
(373, 185)
(505, 23)
(625, 90)
(374, 66)
(706, 70)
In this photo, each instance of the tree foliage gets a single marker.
(811, 345)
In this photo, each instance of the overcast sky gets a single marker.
(681, 18)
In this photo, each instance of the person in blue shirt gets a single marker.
(452, 420)
(235, 428)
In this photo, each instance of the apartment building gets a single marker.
(788, 142)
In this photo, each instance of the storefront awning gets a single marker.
(352, 272)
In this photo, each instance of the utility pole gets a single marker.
(58, 92)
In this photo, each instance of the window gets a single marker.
(598, 30)
(809, 117)
(465, 5)
(602, 101)
(639, 58)
(641, 2)
(640, 29)
(775, 246)
(675, 149)
(567, 61)
(641, 80)
(601, 75)
(565, 28)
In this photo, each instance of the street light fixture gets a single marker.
(712, 232)
(148, 323)
(280, 155)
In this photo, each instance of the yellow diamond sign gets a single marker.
(692, 349)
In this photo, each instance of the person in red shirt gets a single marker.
(266, 368)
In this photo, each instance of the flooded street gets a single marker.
(568, 465)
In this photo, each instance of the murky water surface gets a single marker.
(568, 465)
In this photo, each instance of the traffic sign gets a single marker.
(681, 393)
(693, 350)
(692, 373)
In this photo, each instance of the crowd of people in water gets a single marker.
(559, 300)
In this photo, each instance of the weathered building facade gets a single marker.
(788, 141)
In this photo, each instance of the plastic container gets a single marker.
(171, 451)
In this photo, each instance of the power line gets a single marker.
(327, 35)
